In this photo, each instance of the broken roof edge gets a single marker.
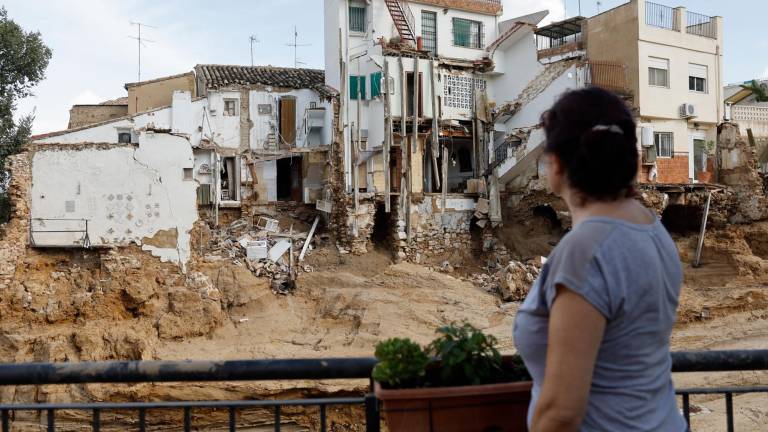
(156, 80)
(534, 18)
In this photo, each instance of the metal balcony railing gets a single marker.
(271, 370)
(661, 16)
(59, 233)
(701, 25)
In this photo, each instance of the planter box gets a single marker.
(484, 408)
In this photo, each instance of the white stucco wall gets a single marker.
(128, 194)
(516, 65)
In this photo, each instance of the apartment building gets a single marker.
(665, 62)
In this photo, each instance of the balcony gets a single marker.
(231, 414)
(490, 7)
(665, 17)
(561, 39)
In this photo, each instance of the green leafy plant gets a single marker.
(466, 356)
(460, 355)
(760, 90)
(402, 363)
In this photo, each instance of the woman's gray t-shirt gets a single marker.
(632, 275)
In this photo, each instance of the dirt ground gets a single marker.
(124, 304)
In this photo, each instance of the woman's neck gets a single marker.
(626, 209)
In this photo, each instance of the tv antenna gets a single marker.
(253, 39)
(141, 41)
(599, 3)
(296, 46)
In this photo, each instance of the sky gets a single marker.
(94, 55)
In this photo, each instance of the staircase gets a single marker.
(403, 18)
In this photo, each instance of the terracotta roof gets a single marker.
(217, 76)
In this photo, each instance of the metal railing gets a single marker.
(608, 75)
(408, 13)
(58, 233)
(661, 16)
(271, 370)
(700, 25)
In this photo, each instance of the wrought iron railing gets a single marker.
(270, 370)
(661, 16)
(701, 25)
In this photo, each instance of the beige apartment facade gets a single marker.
(674, 70)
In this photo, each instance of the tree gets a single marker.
(23, 60)
(758, 89)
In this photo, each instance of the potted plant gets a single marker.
(459, 382)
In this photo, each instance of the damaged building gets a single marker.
(243, 137)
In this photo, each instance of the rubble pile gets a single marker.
(510, 282)
(266, 249)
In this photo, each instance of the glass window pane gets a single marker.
(429, 31)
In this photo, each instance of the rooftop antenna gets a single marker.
(140, 41)
(296, 46)
(599, 3)
(579, 7)
(253, 39)
(565, 9)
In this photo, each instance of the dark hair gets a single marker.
(593, 133)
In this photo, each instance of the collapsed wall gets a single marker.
(14, 235)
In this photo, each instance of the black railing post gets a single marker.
(323, 426)
(687, 408)
(277, 418)
(372, 415)
(6, 421)
(142, 420)
(729, 410)
(187, 419)
(96, 420)
(232, 419)
(51, 420)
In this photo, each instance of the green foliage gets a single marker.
(402, 363)
(460, 355)
(758, 89)
(467, 356)
(23, 60)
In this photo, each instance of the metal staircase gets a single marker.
(403, 18)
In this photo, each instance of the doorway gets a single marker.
(289, 179)
(229, 176)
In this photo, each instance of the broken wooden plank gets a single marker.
(697, 261)
(309, 238)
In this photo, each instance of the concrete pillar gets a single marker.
(680, 19)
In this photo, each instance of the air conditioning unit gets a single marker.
(687, 110)
(649, 155)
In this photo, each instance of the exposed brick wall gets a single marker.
(14, 235)
(673, 170)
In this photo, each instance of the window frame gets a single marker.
(652, 63)
(364, 8)
(425, 36)
(224, 110)
(657, 143)
(480, 33)
(694, 79)
(359, 81)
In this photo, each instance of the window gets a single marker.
(230, 107)
(124, 137)
(375, 84)
(697, 78)
(664, 144)
(467, 33)
(357, 18)
(429, 31)
(658, 72)
(188, 174)
(357, 84)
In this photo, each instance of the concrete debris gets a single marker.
(511, 282)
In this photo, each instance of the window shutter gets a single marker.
(375, 84)
(698, 71)
(362, 87)
(353, 87)
(658, 63)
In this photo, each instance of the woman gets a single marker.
(594, 330)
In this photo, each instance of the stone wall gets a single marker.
(14, 235)
(737, 161)
(84, 115)
(435, 233)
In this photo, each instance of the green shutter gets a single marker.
(375, 84)
(354, 81)
(353, 87)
